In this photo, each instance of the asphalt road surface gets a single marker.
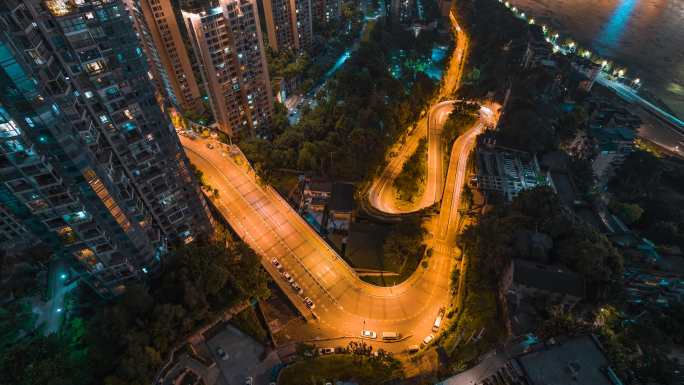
(344, 304)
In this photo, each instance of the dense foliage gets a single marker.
(357, 364)
(127, 341)
(650, 194)
(494, 52)
(502, 234)
(403, 247)
(463, 116)
(360, 111)
(413, 174)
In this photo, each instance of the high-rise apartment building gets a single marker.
(289, 24)
(162, 40)
(89, 164)
(228, 45)
(325, 11)
(401, 10)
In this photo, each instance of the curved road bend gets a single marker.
(344, 303)
(382, 194)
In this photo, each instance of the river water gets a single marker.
(646, 36)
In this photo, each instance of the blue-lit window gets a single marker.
(128, 126)
(55, 109)
(29, 121)
(14, 71)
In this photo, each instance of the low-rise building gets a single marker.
(574, 361)
(317, 194)
(579, 360)
(507, 171)
(341, 208)
(538, 49)
(525, 279)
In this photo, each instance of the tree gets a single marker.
(639, 176)
(627, 212)
(402, 247)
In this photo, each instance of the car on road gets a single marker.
(413, 349)
(297, 288)
(309, 303)
(287, 277)
(324, 351)
(276, 263)
(438, 320)
(428, 339)
(368, 334)
(222, 353)
(391, 336)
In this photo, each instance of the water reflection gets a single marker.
(645, 36)
(614, 30)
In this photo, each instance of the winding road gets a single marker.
(382, 194)
(344, 304)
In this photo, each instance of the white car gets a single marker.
(324, 351)
(297, 288)
(428, 339)
(309, 303)
(288, 277)
(368, 334)
(276, 263)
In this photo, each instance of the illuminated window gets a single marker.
(9, 129)
(94, 67)
(101, 191)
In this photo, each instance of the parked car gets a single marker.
(438, 320)
(222, 353)
(391, 336)
(413, 349)
(427, 340)
(309, 303)
(324, 351)
(287, 277)
(276, 263)
(368, 334)
(297, 288)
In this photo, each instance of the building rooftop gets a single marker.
(576, 361)
(320, 186)
(548, 278)
(342, 197)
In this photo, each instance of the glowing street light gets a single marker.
(63, 276)
(637, 81)
(531, 21)
(621, 73)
